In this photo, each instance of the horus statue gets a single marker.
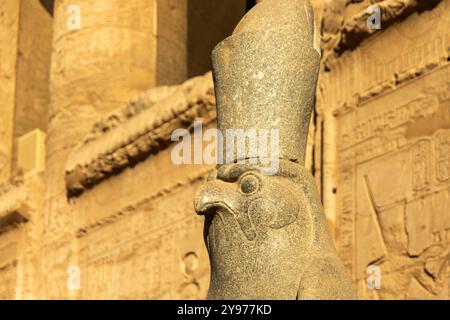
(265, 230)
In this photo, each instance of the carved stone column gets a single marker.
(265, 230)
(104, 53)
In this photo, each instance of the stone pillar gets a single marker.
(25, 32)
(9, 32)
(103, 55)
(33, 63)
(172, 54)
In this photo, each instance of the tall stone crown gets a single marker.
(265, 74)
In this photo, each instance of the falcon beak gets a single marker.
(212, 195)
(218, 194)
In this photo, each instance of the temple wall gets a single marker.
(385, 100)
(112, 215)
(136, 231)
(98, 64)
(25, 36)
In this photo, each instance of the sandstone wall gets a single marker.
(21, 207)
(112, 204)
(384, 104)
(136, 232)
(25, 36)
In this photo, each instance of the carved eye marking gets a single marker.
(249, 184)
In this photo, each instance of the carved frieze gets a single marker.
(370, 70)
(145, 133)
(354, 29)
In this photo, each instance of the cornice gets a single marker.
(140, 135)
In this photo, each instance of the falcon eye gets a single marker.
(249, 184)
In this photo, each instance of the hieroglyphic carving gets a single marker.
(404, 221)
(144, 260)
(428, 220)
(190, 288)
(426, 217)
(389, 115)
(147, 260)
(442, 145)
(346, 212)
(421, 171)
(381, 121)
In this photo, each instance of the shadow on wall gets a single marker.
(48, 5)
(209, 22)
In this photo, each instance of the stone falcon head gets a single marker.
(266, 235)
(258, 227)
(256, 202)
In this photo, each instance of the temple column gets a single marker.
(104, 53)
(9, 33)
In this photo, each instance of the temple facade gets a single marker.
(92, 205)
